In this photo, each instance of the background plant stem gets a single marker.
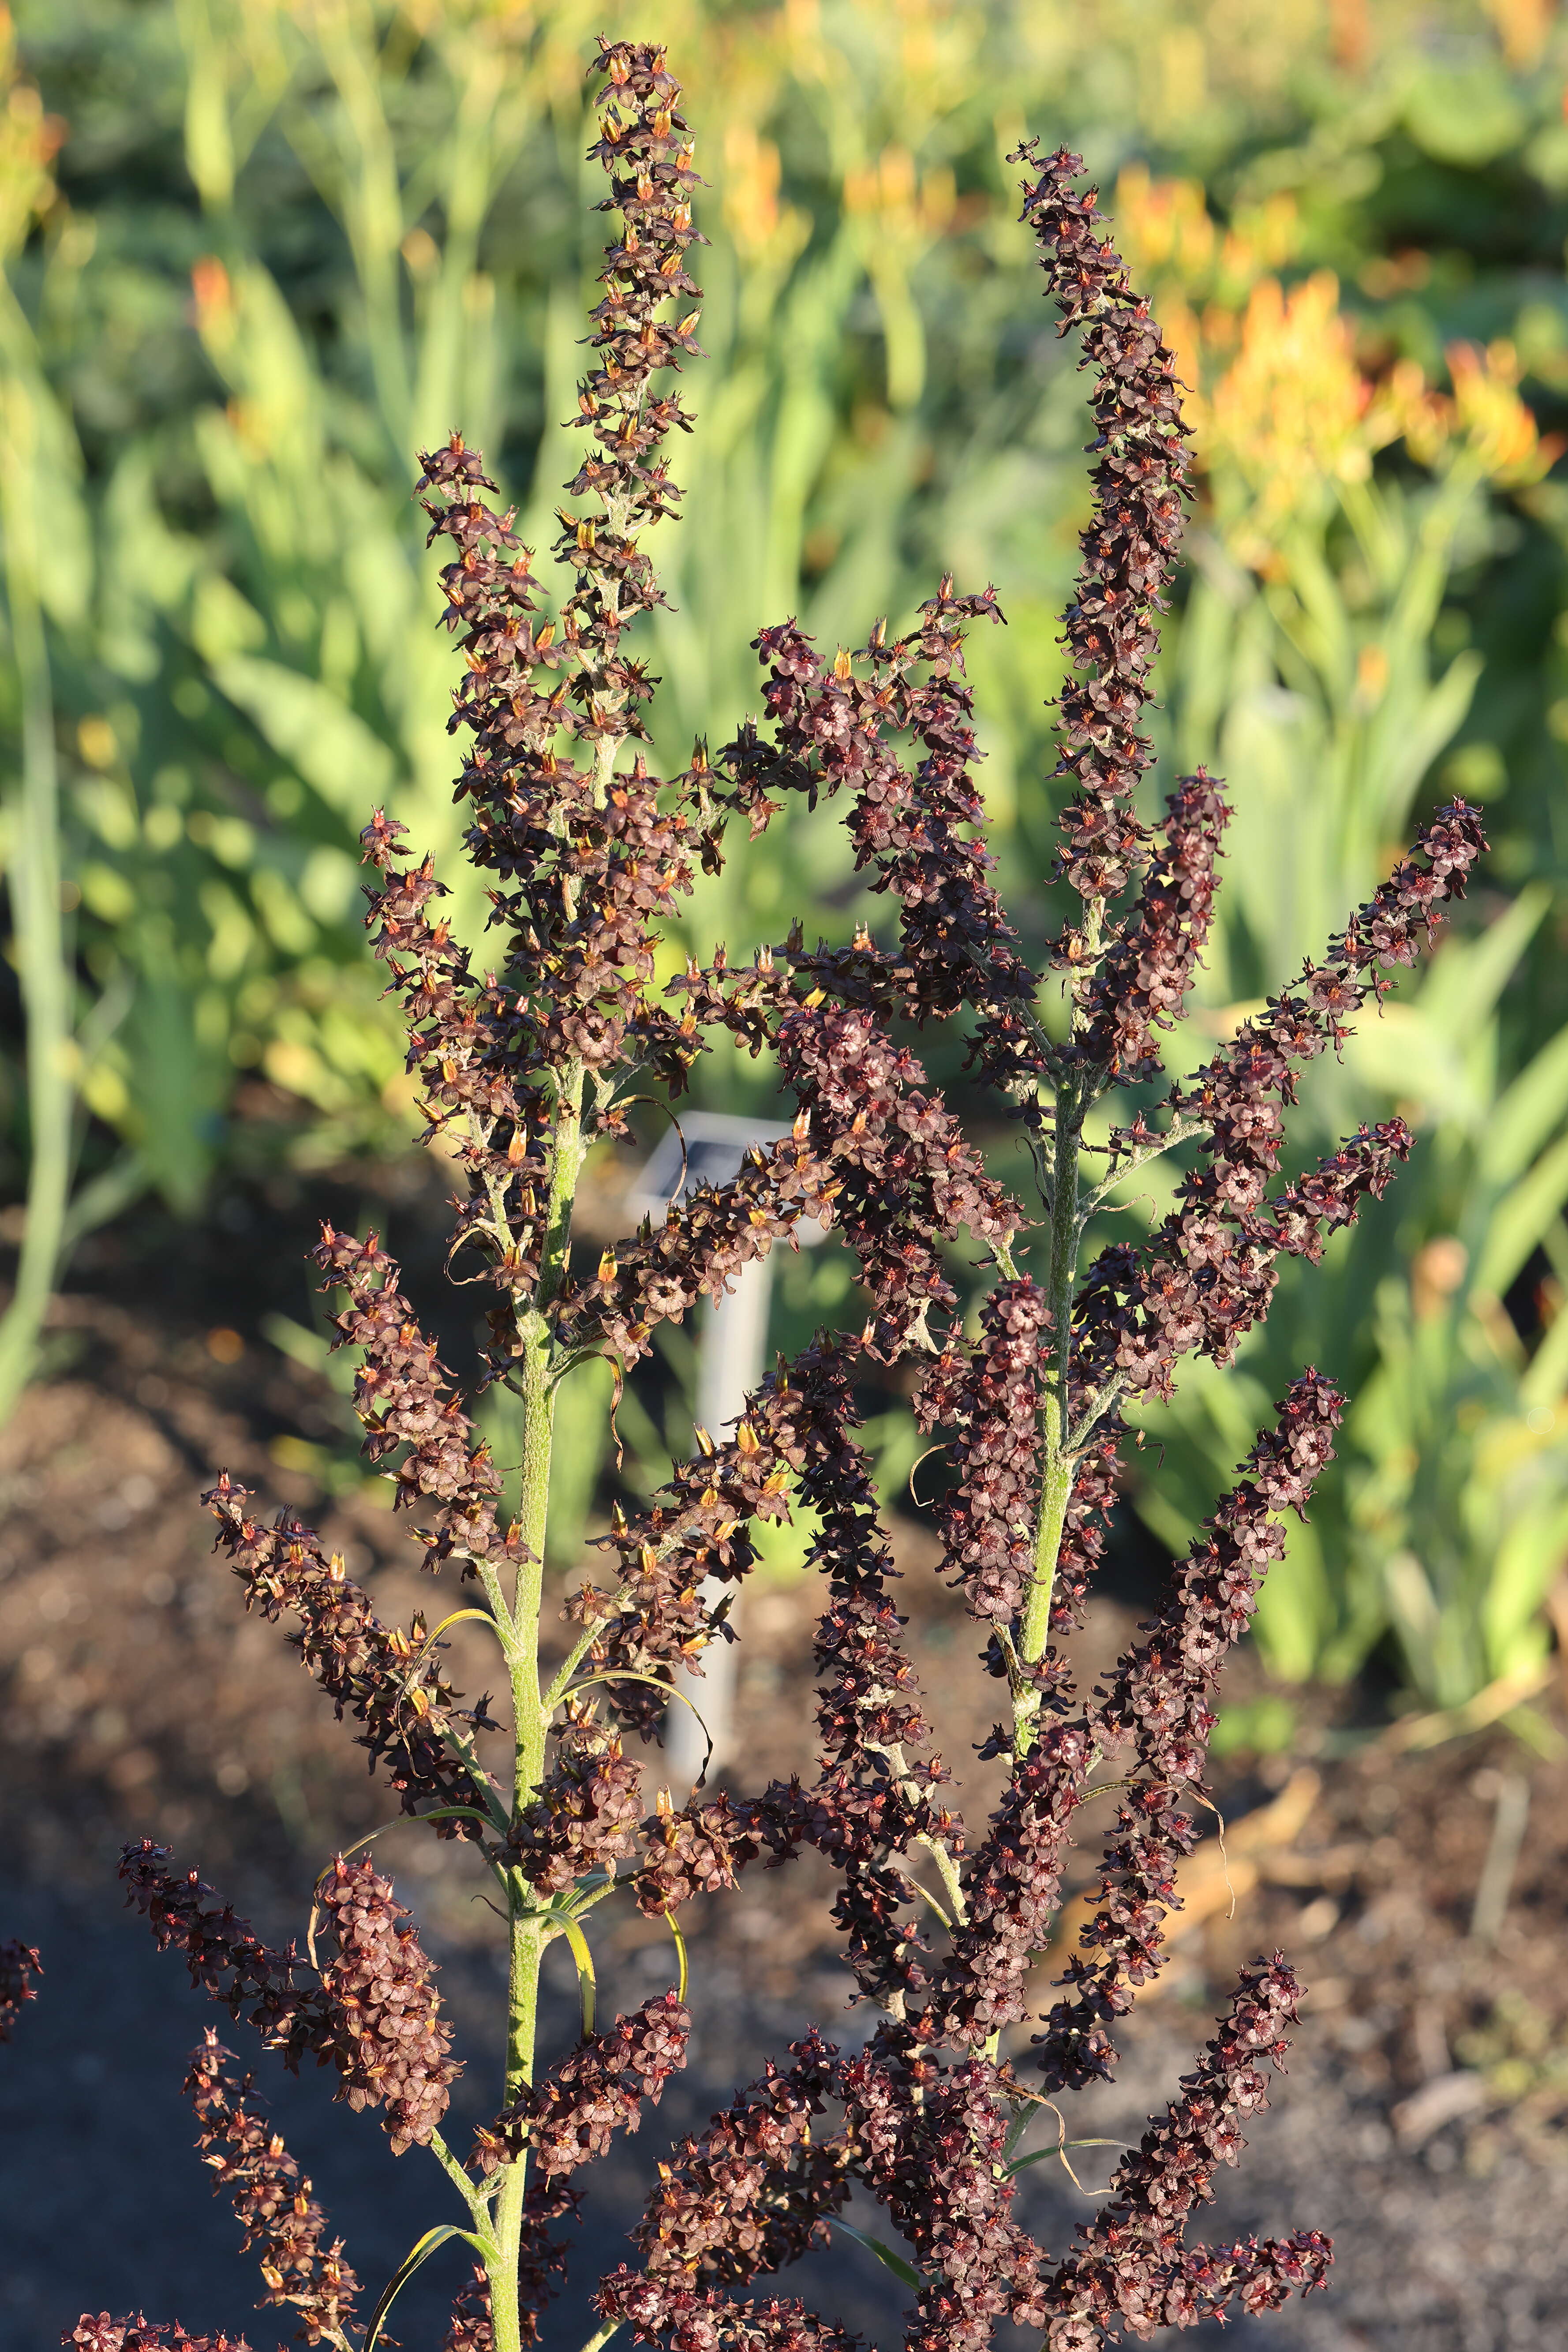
(40, 928)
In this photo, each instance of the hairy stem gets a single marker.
(503, 2261)
(527, 1934)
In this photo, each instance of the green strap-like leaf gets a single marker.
(1046, 2155)
(419, 2253)
(885, 2254)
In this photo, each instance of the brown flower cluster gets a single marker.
(715, 1232)
(873, 1153)
(1157, 1703)
(1157, 1694)
(403, 1396)
(587, 1811)
(226, 1957)
(915, 830)
(1089, 1506)
(20, 1965)
(384, 1678)
(747, 2196)
(1130, 542)
(876, 1794)
(374, 2014)
(1142, 983)
(585, 861)
(470, 2328)
(909, 1183)
(1208, 1273)
(993, 1405)
(930, 2145)
(1132, 2268)
(390, 2042)
(569, 2115)
(696, 1527)
(699, 1849)
(135, 2334)
(273, 2202)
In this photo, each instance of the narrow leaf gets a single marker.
(417, 2253)
(885, 2254)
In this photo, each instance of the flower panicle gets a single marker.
(1141, 983)
(917, 831)
(404, 1395)
(931, 2143)
(704, 1244)
(1129, 546)
(1156, 1701)
(988, 1518)
(587, 1811)
(1240, 1094)
(1208, 1273)
(392, 2046)
(696, 1528)
(1011, 1891)
(876, 1794)
(282, 2224)
(586, 861)
(373, 2016)
(747, 2196)
(226, 1959)
(386, 1679)
(1132, 2269)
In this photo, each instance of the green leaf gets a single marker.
(306, 724)
(419, 2253)
(1521, 1217)
(1466, 976)
(1044, 2155)
(885, 2254)
(1527, 1112)
(1527, 1561)
(1547, 1378)
(1464, 117)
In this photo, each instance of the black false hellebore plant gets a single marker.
(525, 1069)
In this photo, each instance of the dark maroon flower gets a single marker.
(19, 1966)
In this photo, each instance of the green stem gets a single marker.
(42, 959)
(533, 1380)
(1057, 1461)
(473, 2196)
(538, 1431)
(520, 1639)
(503, 2259)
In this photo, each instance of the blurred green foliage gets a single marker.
(256, 253)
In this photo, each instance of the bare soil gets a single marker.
(1424, 2120)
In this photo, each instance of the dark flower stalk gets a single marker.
(523, 1066)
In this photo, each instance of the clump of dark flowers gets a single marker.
(527, 1061)
(19, 1965)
